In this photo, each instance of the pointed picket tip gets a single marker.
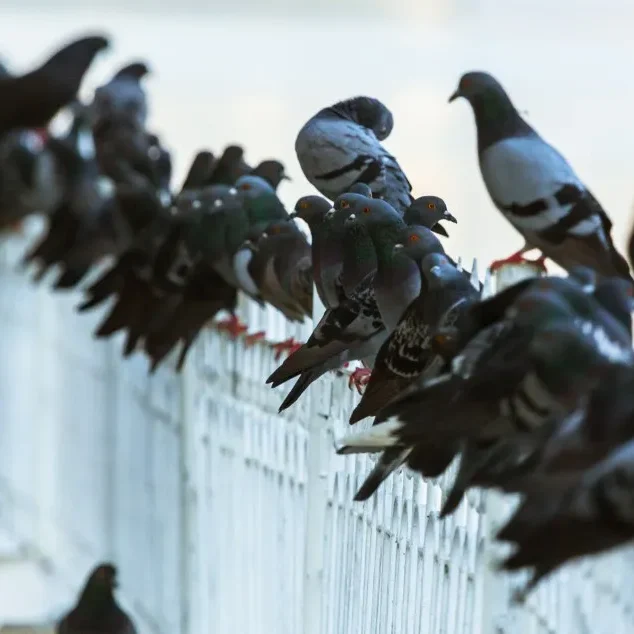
(510, 274)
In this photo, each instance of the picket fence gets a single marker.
(224, 516)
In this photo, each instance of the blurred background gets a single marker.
(253, 72)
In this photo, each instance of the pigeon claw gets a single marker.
(518, 258)
(251, 339)
(289, 345)
(232, 326)
(359, 379)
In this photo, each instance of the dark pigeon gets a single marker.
(97, 610)
(33, 99)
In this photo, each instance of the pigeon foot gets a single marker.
(518, 258)
(232, 326)
(251, 339)
(359, 379)
(289, 345)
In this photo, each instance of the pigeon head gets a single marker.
(281, 228)
(418, 243)
(427, 211)
(311, 209)
(363, 210)
(477, 85)
(103, 579)
(252, 187)
(437, 268)
(362, 189)
(232, 154)
(271, 171)
(135, 70)
(367, 112)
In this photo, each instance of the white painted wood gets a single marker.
(225, 517)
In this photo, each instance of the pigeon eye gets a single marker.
(366, 210)
(432, 205)
(344, 204)
(304, 205)
(245, 186)
(414, 238)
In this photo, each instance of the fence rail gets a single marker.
(224, 516)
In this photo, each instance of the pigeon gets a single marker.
(229, 167)
(84, 226)
(123, 97)
(33, 99)
(97, 610)
(341, 146)
(397, 279)
(534, 186)
(571, 516)
(349, 331)
(281, 270)
(427, 208)
(540, 360)
(199, 171)
(445, 294)
(326, 247)
(272, 171)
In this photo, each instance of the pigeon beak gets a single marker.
(455, 95)
(286, 177)
(440, 230)
(350, 220)
(331, 212)
(398, 248)
(293, 216)
(449, 217)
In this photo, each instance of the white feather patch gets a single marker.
(377, 438)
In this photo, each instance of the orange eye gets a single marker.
(344, 204)
(366, 210)
(414, 238)
(432, 205)
(245, 186)
(304, 205)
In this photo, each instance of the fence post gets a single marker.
(495, 608)
(316, 501)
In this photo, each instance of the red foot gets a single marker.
(289, 345)
(233, 326)
(518, 258)
(250, 340)
(359, 379)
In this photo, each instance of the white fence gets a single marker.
(225, 517)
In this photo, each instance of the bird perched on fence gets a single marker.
(122, 97)
(97, 609)
(523, 363)
(534, 186)
(33, 99)
(341, 146)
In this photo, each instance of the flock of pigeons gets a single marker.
(531, 387)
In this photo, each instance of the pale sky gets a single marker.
(220, 79)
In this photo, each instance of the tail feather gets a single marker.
(388, 462)
(302, 383)
(376, 439)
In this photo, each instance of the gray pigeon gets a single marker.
(123, 97)
(534, 186)
(97, 610)
(397, 279)
(341, 146)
